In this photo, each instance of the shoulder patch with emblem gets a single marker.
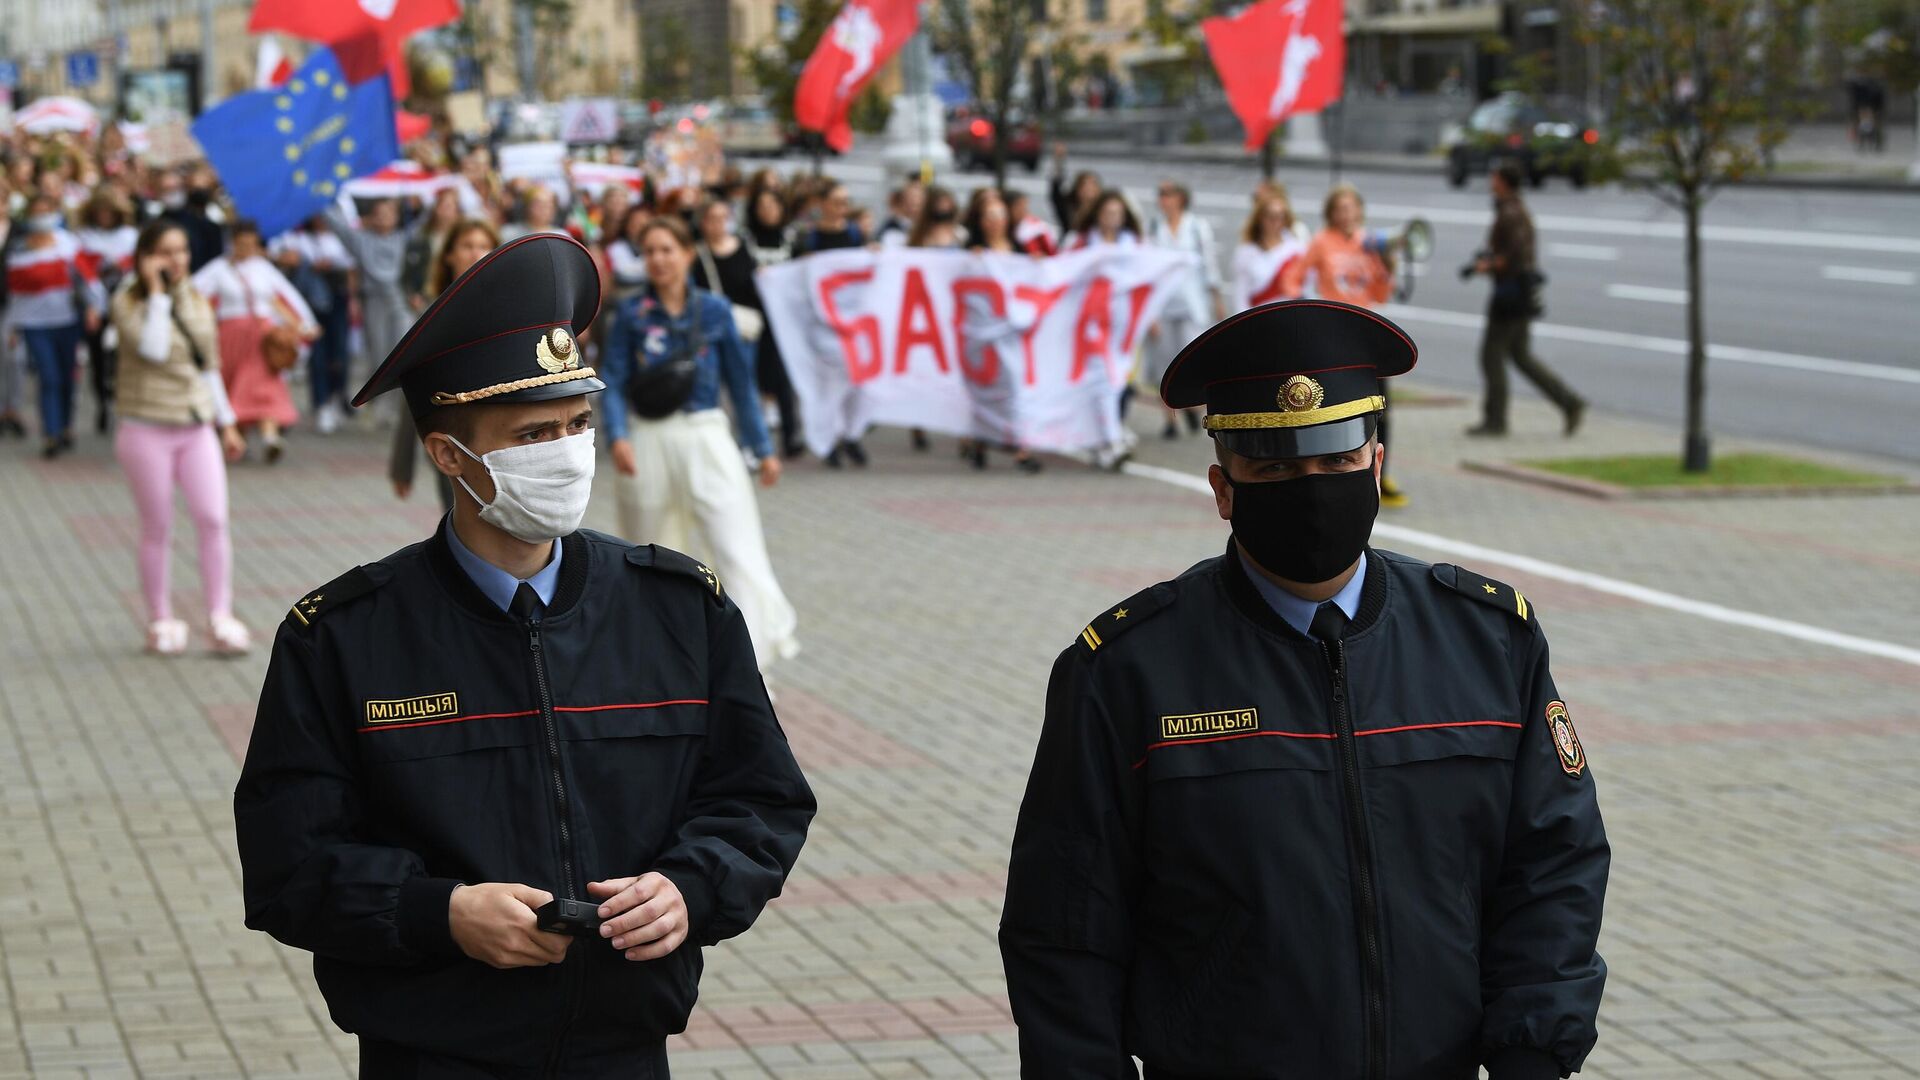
(1486, 590)
(655, 557)
(1126, 615)
(1566, 741)
(351, 585)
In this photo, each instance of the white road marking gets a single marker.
(1647, 292)
(1872, 275)
(1593, 252)
(1732, 354)
(1527, 564)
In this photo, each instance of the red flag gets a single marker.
(366, 36)
(1277, 58)
(410, 126)
(863, 36)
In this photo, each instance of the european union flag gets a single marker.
(283, 153)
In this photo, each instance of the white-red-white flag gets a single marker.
(863, 36)
(1278, 58)
(273, 67)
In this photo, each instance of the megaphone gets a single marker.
(1412, 246)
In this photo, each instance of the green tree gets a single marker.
(666, 71)
(1701, 94)
(990, 41)
(552, 36)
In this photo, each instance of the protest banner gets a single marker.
(1011, 349)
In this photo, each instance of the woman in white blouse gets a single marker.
(252, 296)
(1195, 305)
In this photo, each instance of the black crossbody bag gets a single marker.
(659, 390)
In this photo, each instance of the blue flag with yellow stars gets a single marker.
(284, 152)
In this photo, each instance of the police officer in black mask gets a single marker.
(1312, 809)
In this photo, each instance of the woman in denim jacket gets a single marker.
(681, 478)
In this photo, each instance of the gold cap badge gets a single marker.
(1300, 394)
(555, 352)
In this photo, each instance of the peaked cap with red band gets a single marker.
(1297, 378)
(507, 330)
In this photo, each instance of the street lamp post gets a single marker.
(916, 145)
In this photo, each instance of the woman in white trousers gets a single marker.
(681, 480)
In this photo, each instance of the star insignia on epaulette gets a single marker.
(309, 607)
(713, 581)
(1120, 613)
(1491, 588)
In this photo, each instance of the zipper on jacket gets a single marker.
(573, 967)
(562, 812)
(1366, 902)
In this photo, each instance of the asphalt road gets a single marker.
(1812, 297)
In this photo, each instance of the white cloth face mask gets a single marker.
(540, 489)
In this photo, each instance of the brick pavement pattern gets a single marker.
(1762, 794)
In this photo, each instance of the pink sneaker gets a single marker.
(229, 635)
(167, 637)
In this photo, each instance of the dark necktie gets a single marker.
(1329, 622)
(527, 606)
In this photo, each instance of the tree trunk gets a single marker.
(1696, 453)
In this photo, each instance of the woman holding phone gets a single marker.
(175, 421)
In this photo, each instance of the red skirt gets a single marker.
(256, 390)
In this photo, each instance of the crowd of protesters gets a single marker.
(196, 330)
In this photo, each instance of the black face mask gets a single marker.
(1307, 529)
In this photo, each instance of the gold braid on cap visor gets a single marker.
(441, 397)
(1308, 418)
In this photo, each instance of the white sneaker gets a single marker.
(166, 637)
(327, 420)
(229, 636)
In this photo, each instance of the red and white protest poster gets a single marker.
(1007, 348)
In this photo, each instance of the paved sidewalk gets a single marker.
(1762, 794)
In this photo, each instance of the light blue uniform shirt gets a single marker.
(498, 585)
(1298, 612)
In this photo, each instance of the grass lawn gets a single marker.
(1729, 470)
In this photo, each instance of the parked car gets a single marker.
(1545, 139)
(750, 128)
(971, 137)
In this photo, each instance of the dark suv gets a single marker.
(1543, 139)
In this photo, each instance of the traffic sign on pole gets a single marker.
(83, 68)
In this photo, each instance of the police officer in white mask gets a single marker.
(505, 783)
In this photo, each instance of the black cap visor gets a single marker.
(1268, 444)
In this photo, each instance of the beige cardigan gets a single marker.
(170, 391)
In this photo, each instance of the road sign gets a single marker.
(83, 68)
(9, 74)
(590, 120)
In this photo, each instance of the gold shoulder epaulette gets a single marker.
(655, 557)
(1486, 590)
(1126, 615)
(353, 584)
